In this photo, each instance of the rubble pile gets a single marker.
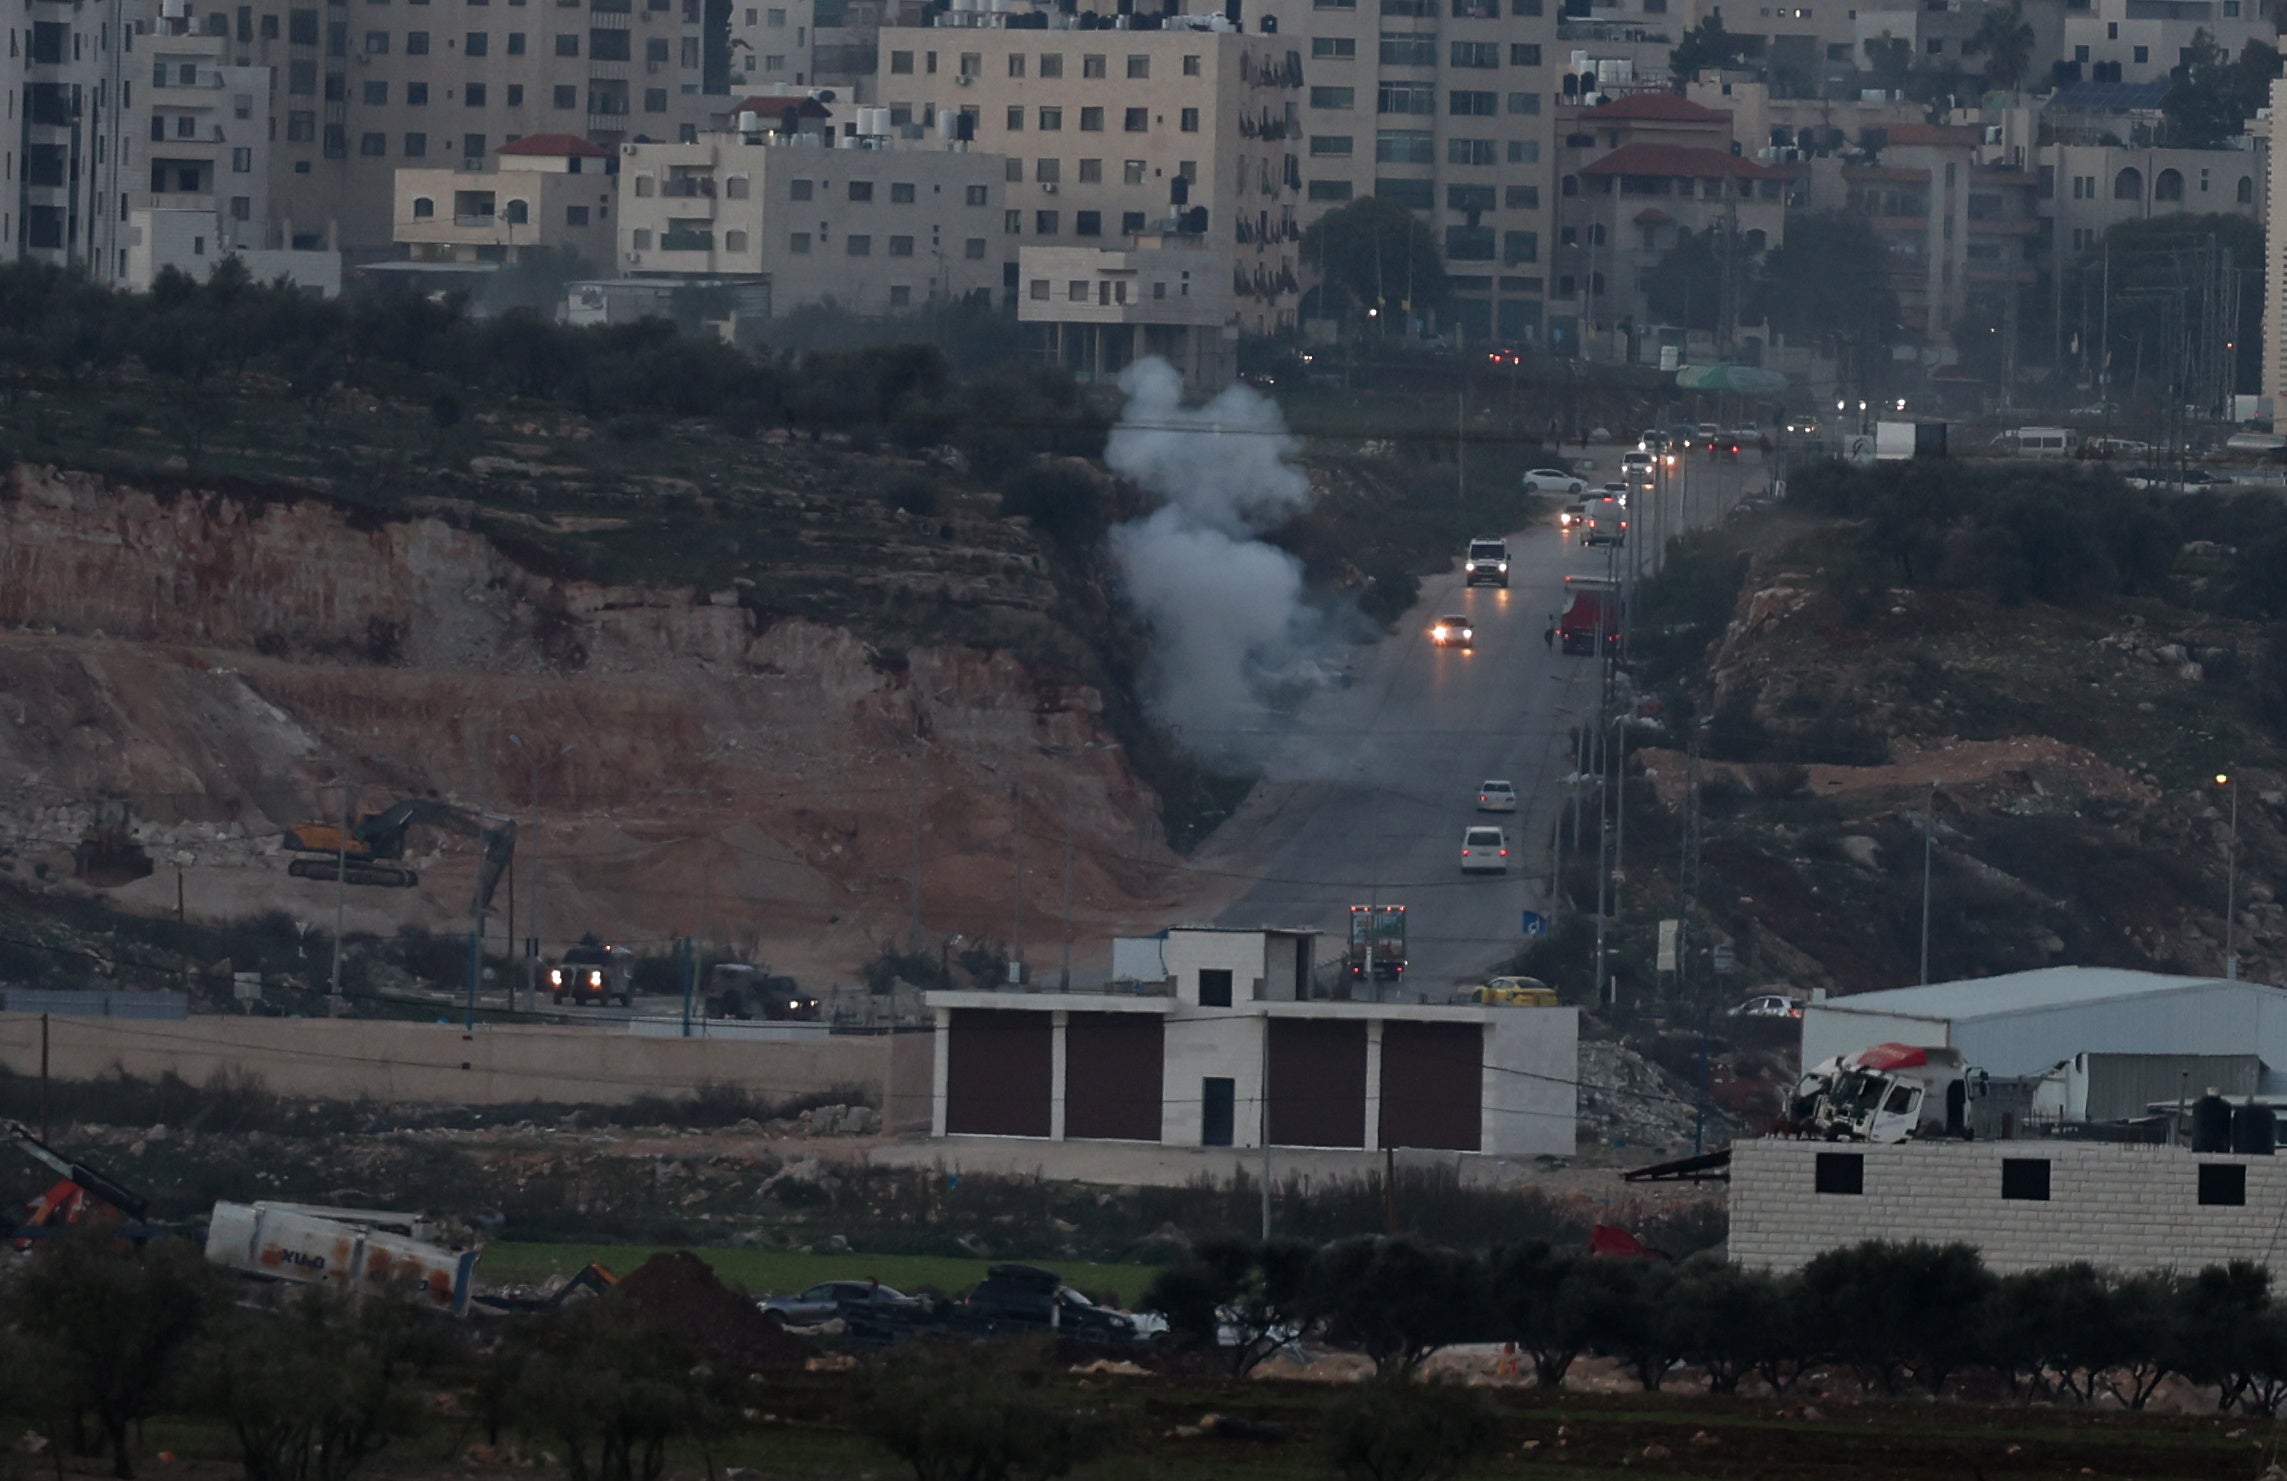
(1627, 1101)
(682, 1293)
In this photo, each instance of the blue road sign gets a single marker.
(1534, 924)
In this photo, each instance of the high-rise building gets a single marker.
(78, 103)
(1447, 107)
(2275, 266)
(1108, 133)
(371, 88)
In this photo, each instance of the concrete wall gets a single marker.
(427, 1062)
(1532, 1069)
(2121, 1207)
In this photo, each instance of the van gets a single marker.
(2042, 442)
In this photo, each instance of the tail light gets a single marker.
(595, 979)
(1504, 853)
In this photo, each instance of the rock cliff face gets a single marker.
(680, 763)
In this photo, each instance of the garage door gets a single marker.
(1433, 1083)
(1318, 1083)
(997, 1073)
(1112, 1067)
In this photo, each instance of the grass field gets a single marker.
(778, 1272)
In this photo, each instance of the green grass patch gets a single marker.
(780, 1272)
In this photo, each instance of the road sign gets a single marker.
(1533, 924)
(1725, 965)
(1859, 449)
(1669, 931)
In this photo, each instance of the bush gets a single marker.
(1258, 1293)
(312, 1393)
(977, 1414)
(1063, 503)
(1397, 1300)
(1397, 1431)
(612, 1389)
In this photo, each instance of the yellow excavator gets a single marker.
(365, 852)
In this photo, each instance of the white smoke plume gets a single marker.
(1231, 629)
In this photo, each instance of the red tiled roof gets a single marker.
(1656, 107)
(556, 146)
(1943, 135)
(1675, 159)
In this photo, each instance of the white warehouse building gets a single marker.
(2025, 1023)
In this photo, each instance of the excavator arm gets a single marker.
(380, 837)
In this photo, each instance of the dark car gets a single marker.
(1025, 1298)
(856, 1302)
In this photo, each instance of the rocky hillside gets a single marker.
(683, 759)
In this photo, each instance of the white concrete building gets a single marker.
(2022, 1204)
(552, 191)
(874, 229)
(1224, 1043)
(2025, 1023)
(1099, 310)
(2140, 40)
(75, 135)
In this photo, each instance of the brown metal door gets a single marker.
(998, 1073)
(1318, 1083)
(1112, 1067)
(1433, 1085)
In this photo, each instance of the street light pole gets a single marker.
(2231, 883)
(1929, 824)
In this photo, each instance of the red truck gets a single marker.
(1591, 611)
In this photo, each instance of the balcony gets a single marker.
(688, 187)
(476, 223)
(687, 241)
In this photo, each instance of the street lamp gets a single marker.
(2231, 883)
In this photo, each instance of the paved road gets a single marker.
(1366, 799)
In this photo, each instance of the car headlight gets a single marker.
(1504, 568)
(1437, 632)
(556, 976)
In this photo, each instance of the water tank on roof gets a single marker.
(749, 122)
(2254, 1131)
(2211, 1124)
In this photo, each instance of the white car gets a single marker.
(1769, 1005)
(1452, 631)
(1553, 481)
(1637, 468)
(1484, 851)
(1496, 797)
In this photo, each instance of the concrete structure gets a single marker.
(1098, 310)
(193, 243)
(874, 229)
(73, 151)
(2023, 1205)
(2140, 40)
(1107, 134)
(552, 191)
(1447, 107)
(2026, 1022)
(1231, 1044)
(1641, 175)
(2275, 261)
(772, 44)
(210, 135)
(368, 91)
(2086, 190)
(346, 1058)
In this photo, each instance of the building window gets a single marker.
(1131, 222)
(1132, 172)
(861, 190)
(1405, 147)
(1333, 97)
(1524, 105)
(979, 195)
(901, 63)
(568, 46)
(1092, 66)
(2168, 185)
(1215, 987)
(1016, 64)
(567, 95)
(1329, 190)
(2025, 1179)
(798, 190)
(1405, 97)
(640, 239)
(1091, 120)
(799, 244)
(1137, 120)
(1188, 121)
(2223, 1184)
(900, 296)
(735, 188)
(516, 43)
(859, 245)
(1048, 171)
(1191, 65)
(1139, 68)
(1475, 54)
(900, 194)
(1012, 223)
(516, 95)
(416, 146)
(1015, 122)
(2244, 193)
(301, 127)
(518, 213)
(1840, 1173)
(655, 100)
(1329, 49)
(1469, 198)
(1520, 246)
(2128, 185)
(377, 43)
(1091, 172)
(1012, 170)
(477, 44)
(1324, 146)
(416, 43)
(1051, 120)
(1051, 65)
(1473, 152)
(424, 209)
(1087, 223)
(734, 241)
(974, 249)
(901, 246)
(1524, 54)
(473, 95)
(242, 161)
(1044, 223)
(374, 94)
(1528, 152)
(1472, 104)
(373, 146)
(575, 215)
(1076, 291)
(1521, 197)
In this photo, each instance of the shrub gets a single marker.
(1396, 1431)
(977, 1414)
(1776, 781)
(312, 1393)
(1397, 1300)
(612, 1389)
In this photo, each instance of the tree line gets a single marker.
(1899, 1317)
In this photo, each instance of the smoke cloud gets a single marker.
(1231, 627)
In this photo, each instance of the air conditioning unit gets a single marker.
(1049, 188)
(963, 80)
(634, 258)
(472, 164)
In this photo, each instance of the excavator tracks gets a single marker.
(388, 876)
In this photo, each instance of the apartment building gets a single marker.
(371, 87)
(772, 44)
(1641, 176)
(2275, 258)
(872, 228)
(1098, 310)
(1445, 106)
(2087, 189)
(2141, 40)
(545, 191)
(1107, 133)
(75, 134)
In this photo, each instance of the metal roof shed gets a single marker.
(2022, 1023)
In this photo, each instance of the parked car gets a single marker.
(1493, 796)
(1484, 851)
(845, 1300)
(1453, 631)
(1025, 1298)
(2096, 409)
(1553, 481)
(1769, 1005)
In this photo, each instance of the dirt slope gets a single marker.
(680, 761)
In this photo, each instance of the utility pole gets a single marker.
(1016, 915)
(913, 891)
(1461, 444)
(2231, 883)
(1064, 973)
(1263, 1098)
(341, 903)
(1929, 827)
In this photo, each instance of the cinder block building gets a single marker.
(1226, 1040)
